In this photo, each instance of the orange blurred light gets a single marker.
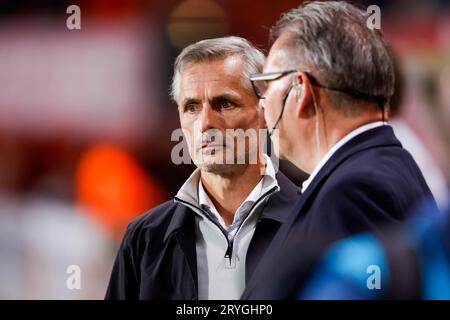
(116, 189)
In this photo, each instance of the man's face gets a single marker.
(213, 99)
(274, 96)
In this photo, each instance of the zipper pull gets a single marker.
(230, 263)
(229, 252)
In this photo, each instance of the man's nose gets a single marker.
(208, 118)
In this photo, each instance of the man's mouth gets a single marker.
(211, 145)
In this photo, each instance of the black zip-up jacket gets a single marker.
(157, 257)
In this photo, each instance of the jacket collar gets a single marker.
(276, 208)
(189, 190)
(281, 203)
(378, 137)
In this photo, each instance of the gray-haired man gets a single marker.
(326, 87)
(206, 243)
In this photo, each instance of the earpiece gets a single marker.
(298, 89)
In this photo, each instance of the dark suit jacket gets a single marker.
(157, 258)
(369, 182)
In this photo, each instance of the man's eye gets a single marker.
(226, 104)
(191, 108)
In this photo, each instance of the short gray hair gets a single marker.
(216, 49)
(332, 39)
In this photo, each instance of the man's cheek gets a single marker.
(189, 140)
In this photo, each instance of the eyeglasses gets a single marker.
(260, 82)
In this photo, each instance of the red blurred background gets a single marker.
(85, 120)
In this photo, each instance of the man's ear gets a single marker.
(302, 89)
(260, 114)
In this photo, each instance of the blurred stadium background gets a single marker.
(85, 120)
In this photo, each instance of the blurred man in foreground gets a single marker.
(409, 262)
(326, 88)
